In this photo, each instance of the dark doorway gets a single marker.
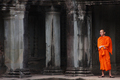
(63, 39)
(36, 39)
(2, 65)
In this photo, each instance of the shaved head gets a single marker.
(102, 32)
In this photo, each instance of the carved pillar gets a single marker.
(14, 43)
(9, 25)
(89, 30)
(52, 42)
(78, 44)
(72, 39)
(20, 41)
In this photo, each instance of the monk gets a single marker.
(104, 44)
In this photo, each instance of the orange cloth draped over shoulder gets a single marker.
(104, 56)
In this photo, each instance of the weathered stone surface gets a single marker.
(9, 23)
(52, 40)
(14, 41)
(77, 41)
(18, 73)
(81, 49)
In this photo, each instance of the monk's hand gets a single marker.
(100, 47)
(104, 47)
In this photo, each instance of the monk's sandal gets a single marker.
(111, 76)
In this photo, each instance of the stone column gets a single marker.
(78, 56)
(10, 49)
(13, 47)
(52, 42)
(19, 38)
(72, 40)
(89, 30)
(14, 43)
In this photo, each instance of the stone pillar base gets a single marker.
(78, 72)
(18, 73)
(52, 71)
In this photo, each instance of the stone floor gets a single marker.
(62, 77)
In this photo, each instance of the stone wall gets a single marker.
(103, 17)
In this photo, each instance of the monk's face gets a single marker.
(102, 33)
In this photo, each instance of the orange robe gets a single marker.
(104, 56)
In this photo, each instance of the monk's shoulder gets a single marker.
(107, 37)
